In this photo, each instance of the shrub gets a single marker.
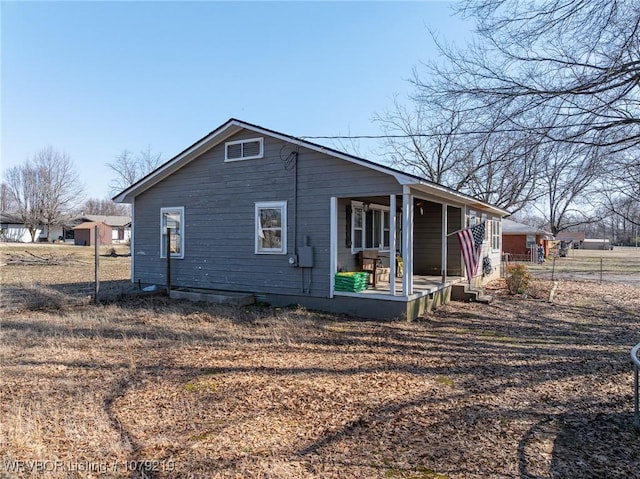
(518, 278)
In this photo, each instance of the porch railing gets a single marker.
(636, 386)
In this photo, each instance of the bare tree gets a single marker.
(7, 204)
(565, 180)
(96, 206)
(567, 68)
(44, 189)
(59, 184)
(22, 185)
(504, 170)
(425, 141)
(538, 75)
(434, 141)
(130, 167)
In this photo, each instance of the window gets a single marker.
(370, 227)
(495, 235)
(172, 219)
(271, 227)
(358, 222)
(487, 226)
(472, 218)
(243, 149)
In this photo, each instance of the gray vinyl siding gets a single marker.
(427, 230)
(219, 234)
(454, 255)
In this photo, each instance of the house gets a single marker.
(596, 244)
(120, 226)
(521, 241)
(574, 239)
(12, 229)
(85, 233)
(248, 209)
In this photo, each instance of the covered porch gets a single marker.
(415, 225)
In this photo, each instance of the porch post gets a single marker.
(445, 221)
(407, 240)
(392, 245)
(333, 244)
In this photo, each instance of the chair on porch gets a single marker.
(370, 262)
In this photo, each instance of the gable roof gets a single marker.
(110, 220)
(89, 225)
(233, 126)
(9, 218)
(515, 228)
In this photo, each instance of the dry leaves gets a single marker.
(521, 388)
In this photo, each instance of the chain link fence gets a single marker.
(618, 265)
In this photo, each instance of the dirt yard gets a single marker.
(144, 387)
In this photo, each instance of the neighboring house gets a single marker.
(596, 243)
(521, 241)
(253, 210)
(13, 229)
(572, 238)
(85, 233)
(120, 226)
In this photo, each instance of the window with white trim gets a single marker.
(370, 227)
(495, 235)
(244, 149)
(172, 226)
(487, 226)
(271, 227)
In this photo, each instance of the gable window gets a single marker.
(244, 149)
(172, 221)
(271, 227)
(370, 227)
(495, 235)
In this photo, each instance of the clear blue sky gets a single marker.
(95, 78)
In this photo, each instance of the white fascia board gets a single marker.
(447, 194)
(400, 177)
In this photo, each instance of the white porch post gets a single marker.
(445, 238)
(407, 240)
(392, 245)
(333, 245)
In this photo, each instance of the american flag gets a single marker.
(471, 243)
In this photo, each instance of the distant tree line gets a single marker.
(540, 114)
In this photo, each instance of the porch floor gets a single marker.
(422, 286)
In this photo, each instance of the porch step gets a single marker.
(462, 292)
(213, 296)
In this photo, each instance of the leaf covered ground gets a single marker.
(520, 388)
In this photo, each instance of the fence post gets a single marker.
(601, 269)
(636, 386)
(96, 241)
(168, 253)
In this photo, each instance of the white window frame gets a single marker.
(384, 210)
(496, 237)
(282, 205)
(163, 249)
(242, 156)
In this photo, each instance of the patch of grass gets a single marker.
(419, 473)
(209, 386)
(445, 381)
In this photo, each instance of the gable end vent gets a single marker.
(244, 149)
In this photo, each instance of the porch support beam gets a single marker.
(445, 238)
(333, 247)
(392, 245)
(407, 240)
